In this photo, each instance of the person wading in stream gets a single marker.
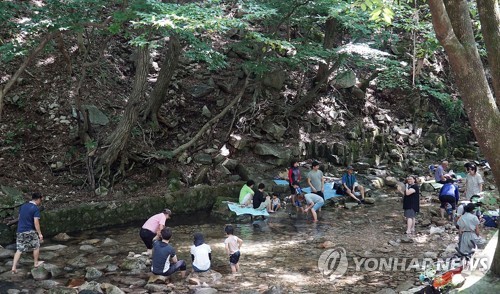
(152, 228)
(29, 234)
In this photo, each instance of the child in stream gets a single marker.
(233, 245)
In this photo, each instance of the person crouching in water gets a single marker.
(165, 261)
(448, 194)
(468, 230)
(314, 203)
(411, 204)
(201, 254)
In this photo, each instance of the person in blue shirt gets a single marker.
(29, 234)
(449, 194)
(350, 185)
(164, 261)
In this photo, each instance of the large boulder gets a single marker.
(275, 130)
(346, 79)
(96, 116)
(220, 209)
(274, 79)
(272, 150)
(6, 234)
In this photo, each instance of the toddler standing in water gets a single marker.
(233, 245)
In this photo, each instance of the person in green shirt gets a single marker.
(246, 193)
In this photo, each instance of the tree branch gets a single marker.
(211, 122)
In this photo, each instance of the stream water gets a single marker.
(282, 257)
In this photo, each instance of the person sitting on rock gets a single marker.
(276, 202)
(448, 195)
(350, 185)
(164, 260)
(201, 254)
(440, 172)
(260, 200)
(246, 193)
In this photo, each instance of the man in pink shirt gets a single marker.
(152, 228)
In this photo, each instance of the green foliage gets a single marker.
(452, 106)
(394, 75)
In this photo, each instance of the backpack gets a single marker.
(337, 186)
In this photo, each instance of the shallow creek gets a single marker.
(282, 257)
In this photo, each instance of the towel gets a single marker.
(235, 207)
(329, 192)
(281, 182)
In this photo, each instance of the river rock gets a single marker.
(90, 242)
(327, 245)
(63, 290)
(40, 273)
(92, 287)
(61, 237)
(157, 279)
(55, 271)
(53, 247)
(391, 181)
(7, 235)
(209, 277)
(93, 273)
(205, 291)
(261, 225)
(203, 158)
(425, 223)
(109, 242)
(130, 281)
(160, 288)
(6, 254)
(436, 230)
(133, 264)
(386, 291)
(78, 262)
(48, 284)
(369, 200)
(350, 205)
(111, 289)
(88, 248)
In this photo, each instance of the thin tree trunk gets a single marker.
(118, 140)
(471, 81)
(327, 44)
(20, 70)
(489, 14)
(157, 97)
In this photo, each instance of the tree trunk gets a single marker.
(327, 44)
(471, 81)
(157, 97)
(118, 140)
(489, 14)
